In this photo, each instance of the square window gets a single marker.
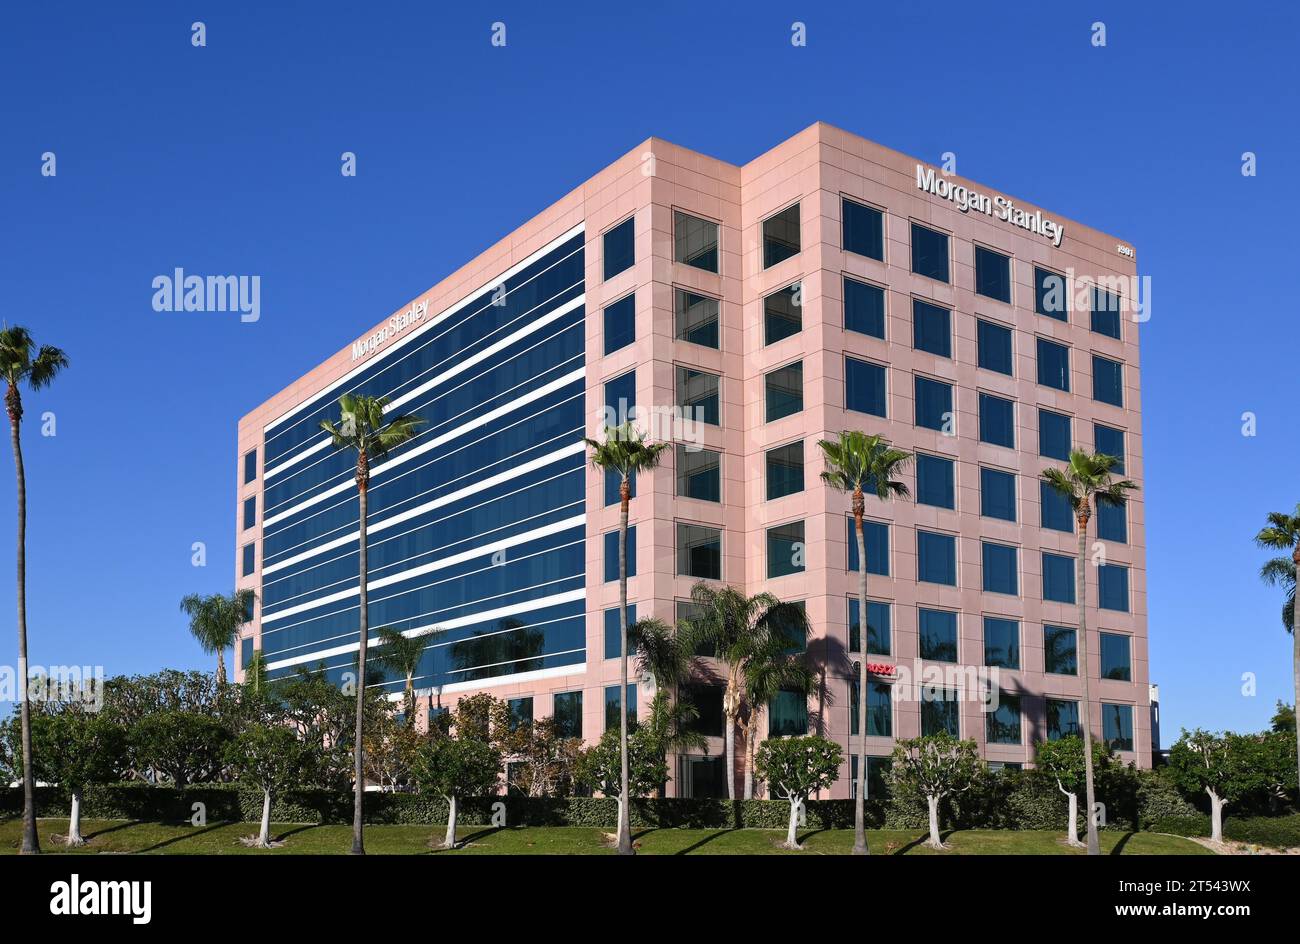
(997, 421)
(877, 774)
(611, 707)
(250, 512)
(1117, 726)
(929, 253)
(934, 481)
(790, 622)
(697, 395)
(992, 274)
(1050, 297)
(785, 470)
(250, 466)
(695, 241)
(864, 387)
(1001, 568)
(1053, 365)
(783, 388)
(1058, 578)
(936, 558)
(567, 711)
(938, 632)
(783, 314)
(1108, 441)
(1055, 510)
(1001, 642)
(699, 551)
(249, 560)
(618, 248)
(699, 473)
(1002, 724)
(864, 229)
(521, 712)
(707, 700)
(781, 236)
(876, 536)
(612, 482)
(620, 323)
(696, 318)
(1107, 381)
(1054, 436)
(880, 709)
(879, 634)
(997, 494)
(864, 308)
(994, 346)
(940, 712)
(611, 554)
(931, 328)
(620, 398)
(1112, 522)
(933, 404)
(1062, 719)
(786, 550)
(1060, 651)
(1116, 658)
(787, 714)
(613, 639)
(1105, 313)
(1112, 587)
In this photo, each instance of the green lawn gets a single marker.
(223, 839)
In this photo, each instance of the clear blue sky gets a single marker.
(225, 159)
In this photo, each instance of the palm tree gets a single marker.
(1283, 534)
(361, 427)
(666, 655)
(215, 622)
(774, 667)
(624, 452)
(857, 463)
(742, 631)
(22, 361)
(401, 655)
(1087, 480)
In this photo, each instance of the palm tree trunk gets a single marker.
(750, 731)
(1085, 710)
(624, 816)
(729, 739)
(221, 668)
(358, 751)
(408, 700)
(859, 802)
(31, 844)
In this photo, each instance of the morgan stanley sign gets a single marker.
(1000, 207)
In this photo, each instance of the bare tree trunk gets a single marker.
(936, 841)
(449, 841)
(624, 816)
(1085, 710)
(264, 837)
(358, 749)
(792, 830)
(31, 844)
(74, 820)
(749, 756)
(1073, 836)
(1216, 816)
(859, 802)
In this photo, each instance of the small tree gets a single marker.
(186, 746)
(1062, 759)
(542, 760)
(270, 757)
(1225, 766)
(934, 766)
(795, 768)
(599, 766)
(456, 767)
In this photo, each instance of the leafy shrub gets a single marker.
(1280, 832)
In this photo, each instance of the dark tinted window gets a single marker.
(613, 640)
(782, 315)
(931, 328)
(879, 633)
(1049, 295)
(864, 308)
(1058, 578)
(1105, 312)
(697, 395)
(1056, 512)
(864, 230)
(695, 241)
(1062, 719)
(1001, 568)
(1117, 726)
(864, 387)
(934, 481)
(786, 551)
(994, 347)
(997, 421)
(699, 473)
(249, 560)
(992, 274)
(781, 236)
(936, 558)
(876, 536)
(783, 389)
(1002, 724)
(611, 707)
(697, 318)
(938, 631)
(1053, 365)
(1001, 642)
(250, 512)
(250, 466)
(929, 253)
(611, 554)
(997, 494)
(1107, 381)
(620, 323)
(1060, 653)
(1053, 435)
(880, 709)
(618, 248)
(1112, 522)
(1109, 441)
(567, 711)
(933, 404)
(1112, 587)
(784, 470)
(1116, 660)
(699, 551)
(940, 711)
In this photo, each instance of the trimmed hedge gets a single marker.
(1279, 832)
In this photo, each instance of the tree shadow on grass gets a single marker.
(184, 837)
(803, 840)
(702, 841)
(1119, 846)
(921, 840)
(463, 839)
(104, 831)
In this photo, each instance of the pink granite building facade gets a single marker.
(795, 286)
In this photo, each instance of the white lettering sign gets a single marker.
(394, 326)
(998, 207)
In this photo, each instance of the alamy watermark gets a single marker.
(181, 292)
(59, 684)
